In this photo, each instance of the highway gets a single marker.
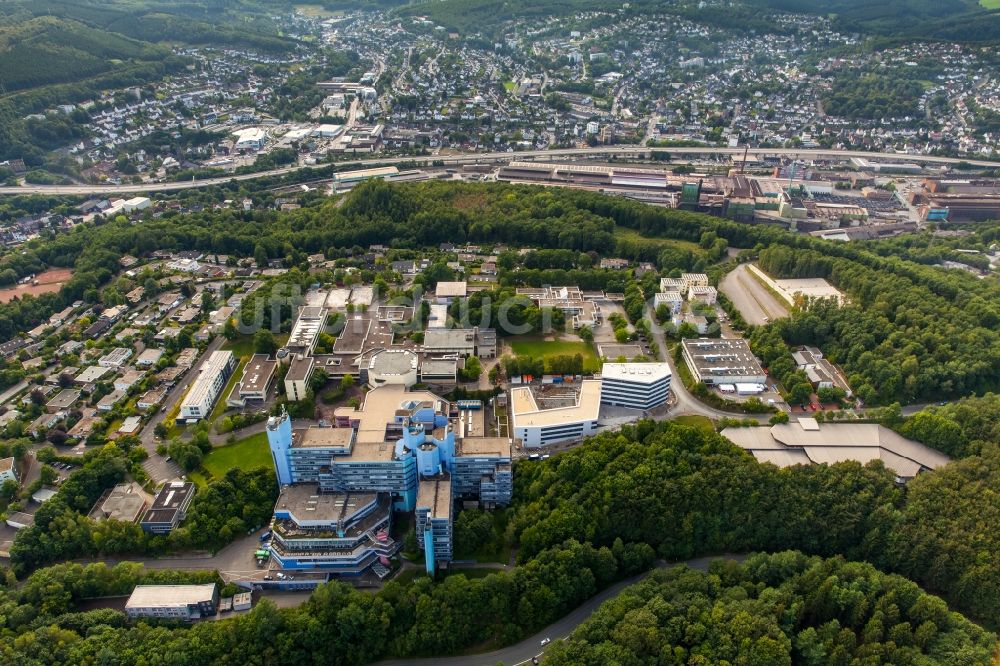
(532, 646)
(470, 158)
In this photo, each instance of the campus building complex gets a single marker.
(806, 441)
(341, 484)
(635, 385)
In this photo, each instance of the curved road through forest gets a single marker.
(467, 158)
(531, 646)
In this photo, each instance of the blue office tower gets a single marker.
(279, 438)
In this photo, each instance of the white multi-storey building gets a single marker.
(206, 388)
(546, 419)
(635, 385)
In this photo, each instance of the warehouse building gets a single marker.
(208, 385)
(173, 602)
(722, 361)
(635, 385)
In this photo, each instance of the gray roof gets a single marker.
(804, 442)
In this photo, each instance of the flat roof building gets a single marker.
(635, 385)
(805, 442)
(433, 512)
(169, 507)
(305, 332)
(445, 292)
(125, 502)
(208, 385)
(62, 400)
(393, 366)
(340, 532)
(258, 376)
(116, 358)
(297, 378)
(722, 361)
(173, 602)
(555, 412)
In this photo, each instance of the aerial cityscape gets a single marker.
(469, 332)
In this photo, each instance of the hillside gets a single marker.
(54, 41)
(958, 20)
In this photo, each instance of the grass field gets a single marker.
(220, 405)
(545, 349)
(696, 421)
(247, 454)
(621, 233)
(989, 4)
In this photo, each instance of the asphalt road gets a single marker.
(155, 465)
(756, 303)
(531, 646)
(485, 157)
(684, 402)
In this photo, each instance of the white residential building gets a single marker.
(672, 299)
(702, 293)
(208, 385)
(115, 358)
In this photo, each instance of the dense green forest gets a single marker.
(226, 508)
(910, 333)
(777, 609)
(597, 514)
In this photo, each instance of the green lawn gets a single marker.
(990, 4)
(697, 421)
(622, 233)
(509, 85)
(243, 345)
(544, 349)
(220, 404)
(247, 454)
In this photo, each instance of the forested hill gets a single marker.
(955, 20)
(586, 518)
(777, 610)
(45, 42)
